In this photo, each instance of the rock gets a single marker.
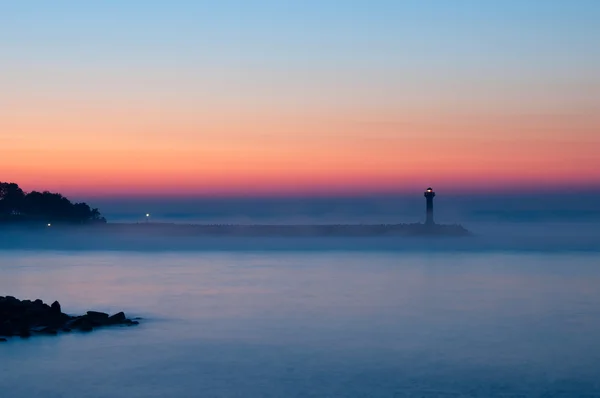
(21, 318)
(55, 307)
(82, 323)
(24, 333)
(6, 329)
(3, 340)
(49, 330)
(117, 318)
(77, 322)
(98, 318)
(97, 314)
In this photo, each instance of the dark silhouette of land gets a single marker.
(40, 210)
(16, 206)
(25, 318)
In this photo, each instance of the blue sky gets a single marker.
(182, 72)
(504, 30)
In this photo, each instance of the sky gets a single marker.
(313, 97)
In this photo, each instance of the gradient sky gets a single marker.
(299, 97)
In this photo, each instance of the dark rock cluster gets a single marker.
(25, 318)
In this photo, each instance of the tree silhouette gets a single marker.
(11, 198)
(18, 206)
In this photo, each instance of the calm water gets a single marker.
(311, 324)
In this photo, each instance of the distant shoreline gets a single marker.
(249, 230)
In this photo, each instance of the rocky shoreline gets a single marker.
(26, 318)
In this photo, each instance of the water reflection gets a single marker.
(323, 322)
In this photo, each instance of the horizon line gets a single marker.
(571, 191)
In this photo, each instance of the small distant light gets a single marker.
(147, 215)
(49, 224)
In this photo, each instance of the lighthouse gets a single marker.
(429, 195)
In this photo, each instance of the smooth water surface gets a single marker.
(310, 324)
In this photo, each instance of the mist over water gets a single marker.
(476, 208)
(544, 222)
(513, 310)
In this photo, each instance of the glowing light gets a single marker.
(49, 224)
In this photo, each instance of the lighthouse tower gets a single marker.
(429, 195)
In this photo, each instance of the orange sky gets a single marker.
(163, 151)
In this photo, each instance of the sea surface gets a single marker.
(513, 311)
